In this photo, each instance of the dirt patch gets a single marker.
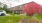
(39, 21)
(22, 21)
(33, 21)
(27, 21)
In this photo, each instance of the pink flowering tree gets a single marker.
(32, 8)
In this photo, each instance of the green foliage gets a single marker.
(0, 8)
(5, 7)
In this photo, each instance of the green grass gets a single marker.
(38, 17)
(11, 19)
(15, 18)
(3, 19)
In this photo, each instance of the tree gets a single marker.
(5, 7)
(1, 6)
(31, 8)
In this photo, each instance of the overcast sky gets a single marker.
(19, 2)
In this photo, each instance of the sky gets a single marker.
(13, 3)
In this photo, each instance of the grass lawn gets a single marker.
(11, 19)
(15, 18)
(38, 17)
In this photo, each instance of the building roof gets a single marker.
(20, 7)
